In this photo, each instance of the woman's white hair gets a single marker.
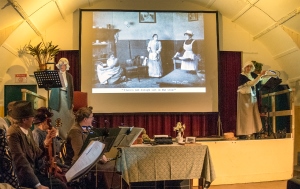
(63, 61)
(247, 64)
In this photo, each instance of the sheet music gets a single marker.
(86, 160)
(127, 136)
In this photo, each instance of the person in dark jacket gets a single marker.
(25, 152)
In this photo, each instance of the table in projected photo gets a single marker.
(140, 163)
(181, 78)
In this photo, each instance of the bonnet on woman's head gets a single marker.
(63, 61)
(188, 32)
(247, 64)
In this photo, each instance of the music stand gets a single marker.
(48, 79)
(104, 135)
(270, 85)
(127, 136)
(86, 161)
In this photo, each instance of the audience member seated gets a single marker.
(75, 140)
(24, 151)
(110, 72)
(8, 178)
(42, 123)
(8, 118)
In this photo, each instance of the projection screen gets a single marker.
(177, 72)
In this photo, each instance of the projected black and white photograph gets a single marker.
(165, 55)
(169, 61)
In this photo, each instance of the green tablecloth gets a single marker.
(140, 163)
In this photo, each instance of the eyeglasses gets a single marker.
(86, 128)
(91, 117)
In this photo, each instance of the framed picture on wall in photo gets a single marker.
(147, 17)
(192, 16)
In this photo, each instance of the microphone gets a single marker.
(106, 131)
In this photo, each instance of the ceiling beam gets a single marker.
(293, 34)
(244, 10)
(23, 14)
(277, 23)
(59, 9)
(5, 33)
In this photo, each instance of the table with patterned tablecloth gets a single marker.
(140, 163)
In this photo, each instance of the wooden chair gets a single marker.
(134, 68)
(79, 100)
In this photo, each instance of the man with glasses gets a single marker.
(25, 152)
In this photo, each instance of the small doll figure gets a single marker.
(145, 137)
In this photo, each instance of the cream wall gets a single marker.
(65, 33)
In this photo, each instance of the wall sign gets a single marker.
(20, 78)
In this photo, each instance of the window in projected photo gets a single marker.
(149, 52)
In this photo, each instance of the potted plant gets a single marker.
(42, 52)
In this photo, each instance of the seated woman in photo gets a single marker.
(110, 72)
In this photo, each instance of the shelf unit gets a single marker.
(104, 42)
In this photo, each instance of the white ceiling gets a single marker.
(275, 23)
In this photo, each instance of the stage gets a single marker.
(245, 161)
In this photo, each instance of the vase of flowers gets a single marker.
(179, 129)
